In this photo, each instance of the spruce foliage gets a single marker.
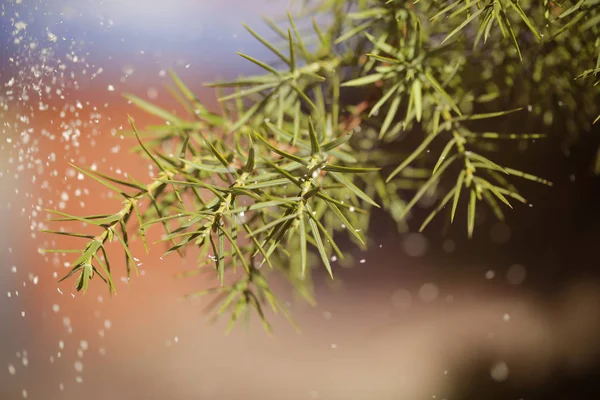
(363, 104)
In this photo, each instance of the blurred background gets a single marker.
(512, 314)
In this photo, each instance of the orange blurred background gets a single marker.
(414, 321)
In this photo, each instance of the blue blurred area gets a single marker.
(185, 31)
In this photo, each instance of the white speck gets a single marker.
(78, 366)
(516, 274)
(84, 345)
(24, 393)
(429, 292)
(78, 379)
(107, 324)
(334, 346)
(506, 317)
(128, 70)
(152, 93)
(55, 308)
(20, 25)
(490, 274)
(362, 261)
(415, 244)
(11, 369)
(111, 88)
(499, 372)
